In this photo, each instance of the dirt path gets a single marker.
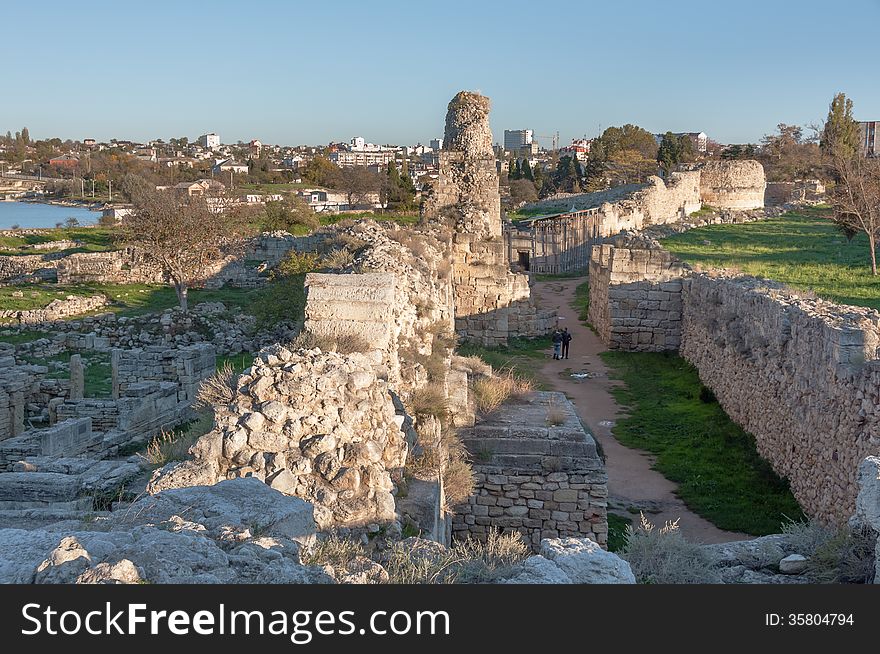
(631, 480)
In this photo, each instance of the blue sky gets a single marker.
(311, 72)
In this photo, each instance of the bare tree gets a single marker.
(181, 234)
(856, 198)
(357, 182)
(856, 192)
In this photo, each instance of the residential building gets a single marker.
(579, 148)
(343, 158)
(209, 141)
(516, 139)
(228, 165)
(869, 137)
(436, 145)
(256, 148)
(64, 161)
(199, 187)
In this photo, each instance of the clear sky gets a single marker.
(295, 72)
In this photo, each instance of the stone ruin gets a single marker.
(735, 184)
(800, 374)
(491, 302)
(72, 462)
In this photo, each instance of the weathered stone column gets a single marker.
(77, 377)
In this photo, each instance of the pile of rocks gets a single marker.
(318, 425)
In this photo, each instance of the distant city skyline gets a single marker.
(309, 75)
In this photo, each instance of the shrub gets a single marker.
(435, 566)
(491, 392)
(218, 389)
(429, 401)
(663, 556)
(486, 562)
(556, 415)
(170, 446)
(835, 556)
(458, 482)
(334, 551)
(337, 259)
(297, 263)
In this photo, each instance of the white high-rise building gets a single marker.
(210, 141)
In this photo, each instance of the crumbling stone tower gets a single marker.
(491, 302)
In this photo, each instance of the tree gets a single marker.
(522, 191)
(289, 214)
(181, 234)
(511, 170)
(25, 136)
(855, 195)
(357, 182)
(840, 134)
(788, 155)
(669, 152)
(526, 171)
(320, 171)
(568, 175)
(397, 191)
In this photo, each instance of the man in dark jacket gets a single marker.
(566, 339)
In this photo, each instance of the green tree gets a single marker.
(511, 170)
(568, 175)
(289, 214)
(526, 171)
(321, 171)
(669, 152)
(840, 135)
(397, 191)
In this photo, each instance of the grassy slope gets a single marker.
(94, 239)
(720, 475)
(801, 249)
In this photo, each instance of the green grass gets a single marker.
(94, 239)
(24, 337)
(617, 532)
(520, 354)
(582, 300)
(128, 299)
(802, 249)
(97, 380)
(720, 475)
(239, 362)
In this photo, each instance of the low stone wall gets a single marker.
(537, 472)
(800, 374)
(186, 367)
(69, 438)
(735, 184)
(17, 385)
(72, 305)
(635, 297)
(126, 266)
(25, 264)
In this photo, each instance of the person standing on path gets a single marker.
(557, 344)
(566, 339)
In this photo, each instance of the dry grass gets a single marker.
(663, 556)
(174, 445)
(474, 366)
(556, 415)
(835, 555)
(337, 259)
(334, 551)
(458, 482)
(491, 392)
(429, 401)
(341, 343)
(218, 389)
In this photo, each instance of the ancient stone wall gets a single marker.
(26, 264)
(537, 472)
(635, 297)
(127, 266)
(185, 367)
(734, 184)
(318, 425)
(60, 309)
(800, 374)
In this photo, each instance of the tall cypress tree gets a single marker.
(527, 171)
